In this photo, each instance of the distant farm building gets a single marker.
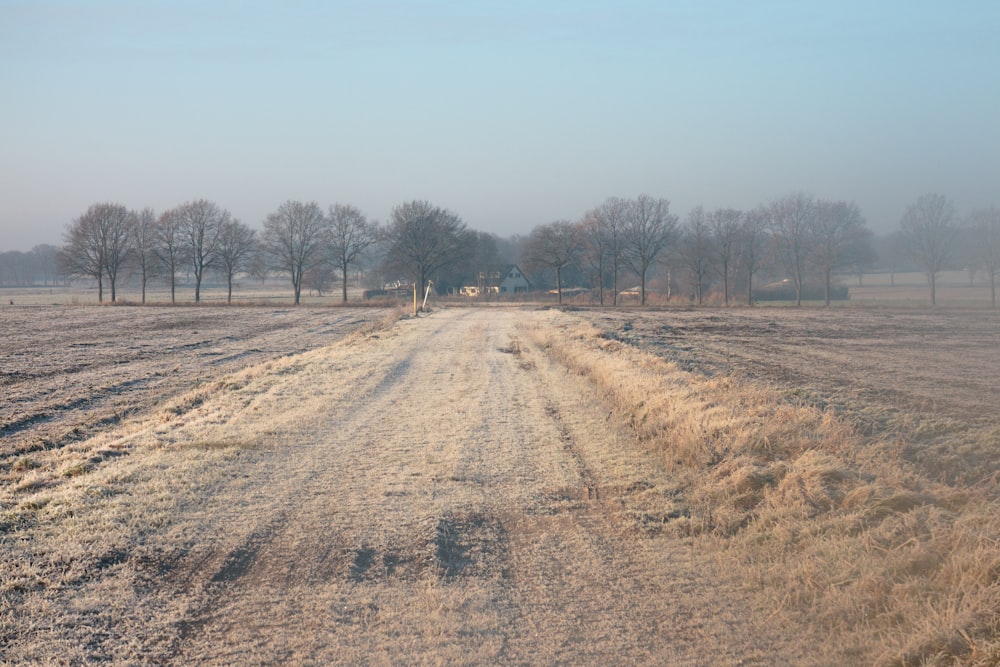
(506, 280)
(398, 289)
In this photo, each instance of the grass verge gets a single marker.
(849, 541)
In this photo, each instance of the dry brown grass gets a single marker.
(849, 541)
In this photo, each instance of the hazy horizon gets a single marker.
(509, 114)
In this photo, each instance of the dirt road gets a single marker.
(440, 493)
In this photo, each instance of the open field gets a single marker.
(69, 372)
(512, 485)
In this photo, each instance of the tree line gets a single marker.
(724, 253)
(804, 241)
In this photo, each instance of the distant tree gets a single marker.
(201, 223)
(296, 237)
(144, 246)
(985, 224)
(792, 220)
(97, 245)
(556, 246)
(44, 260)
(422, 239)
(890, 253)
(170, 247)
(480, 261)
(258, 268)
(929, 230)
(696, 251)
(237, 244)
(15, 267)
(319, 279)
(351, 235)
(724, 225)
(603, 238)
(864, 259)
(840, 237)
(648, 228)
(753, 233)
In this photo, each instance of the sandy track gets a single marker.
(441, 493)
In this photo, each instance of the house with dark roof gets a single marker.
(504, 280)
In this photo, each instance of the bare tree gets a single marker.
(144, 245)
(98, 244)
(929, 231)
(753, 233)
(237, 244)
(792, 220)
(296, 237)
(118, 224)
(170, 247)
(724, 224)
(82, 253)
(350, 236)
(604, 242)
(840, 235)
(985, 224)
(696, 250)
(556, 246)
(648, 228)
(421, 239)
(201, 222)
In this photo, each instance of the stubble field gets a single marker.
(512, 485)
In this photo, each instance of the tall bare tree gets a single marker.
(604, 242)
(696, 251)
(201, 223)
(648, 228)
(296, 237)
(98, 244)
(421, 239)
(171, 248)
(556, 246)
(351, 235)
(929, 231)
(82, 253)
(118, 222)
(724, 224)
(237, 244)
(753, 233)
(792, 219)
(144, 242)
(986, 229)
(840, 236)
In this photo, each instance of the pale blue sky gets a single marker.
(508, 113)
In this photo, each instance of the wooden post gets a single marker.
(414, 298)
